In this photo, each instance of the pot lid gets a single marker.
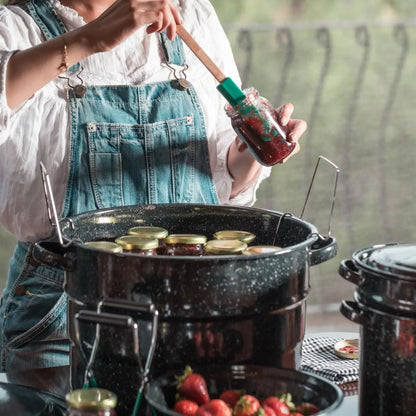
(398, 259)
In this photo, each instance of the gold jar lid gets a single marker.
(185, 239)
(261, 249)
(148, 231)
(244, 236)
(225, 246)
(91, 399)
(133, 242)
(105, 245)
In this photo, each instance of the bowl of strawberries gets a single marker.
(241, 390)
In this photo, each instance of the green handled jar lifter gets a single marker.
(227, 87)
(252, 116)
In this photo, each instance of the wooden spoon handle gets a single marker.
(200, 53)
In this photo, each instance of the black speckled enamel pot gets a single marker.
(385, 307)
(212, 309)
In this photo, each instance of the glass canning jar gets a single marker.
(138, 244)
(255, 122)
(244, 236)
(105, 245)
(185, 244)
(91, 402)
(148, 231)
(151, 231)
(224, 247)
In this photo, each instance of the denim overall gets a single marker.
(129, 145)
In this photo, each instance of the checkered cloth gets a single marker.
(318, 357)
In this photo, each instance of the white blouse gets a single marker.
(38, 131)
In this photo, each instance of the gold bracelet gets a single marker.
(64, 65)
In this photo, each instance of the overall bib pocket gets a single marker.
(158, 158)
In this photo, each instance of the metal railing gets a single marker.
(354, 82)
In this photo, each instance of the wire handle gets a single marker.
(100, 318)
(50, 205)
(337, 170)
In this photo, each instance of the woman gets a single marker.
(88, 88)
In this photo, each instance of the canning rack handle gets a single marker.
(98, 317)
(285, 215)
(337, 170)
(50, 205)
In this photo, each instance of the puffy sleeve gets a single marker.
(17, 32)
(25, 137)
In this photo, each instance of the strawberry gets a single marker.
(247, 405)
(268, 411)
(307, 409)
(231, 397)
(186, 407)
(193, 386)
(214, 407)
(280, 407)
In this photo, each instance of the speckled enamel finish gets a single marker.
(385, 307)
(213, 309)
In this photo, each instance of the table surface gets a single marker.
(56, 381)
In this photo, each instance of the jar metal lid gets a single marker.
(225, 246)
(91, 399)
(244, 236)
(261, 250)
(185, 239)
(148, 231)
(105, 245)
(133, 242)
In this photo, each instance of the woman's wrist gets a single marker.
(242, 166)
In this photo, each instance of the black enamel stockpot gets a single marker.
(385, 307)
(212, 309)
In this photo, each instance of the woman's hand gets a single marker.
(293, 128)
(244, 168)
(124, 17)
(29, 70)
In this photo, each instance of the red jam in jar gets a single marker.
(254, 120)
(185, 245)
(139, 245)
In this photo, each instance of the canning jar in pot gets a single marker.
(91, 402)
(139, 245)
(184, 244)
(385, 307)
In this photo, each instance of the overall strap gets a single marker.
(173, 50)
(45, 16)
(48, 21)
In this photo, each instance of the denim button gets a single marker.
(20, 290)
